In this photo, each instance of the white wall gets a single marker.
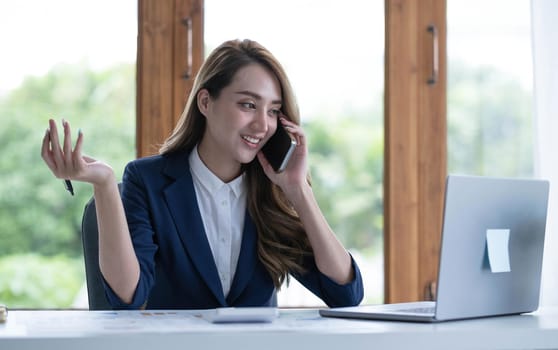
(545, 60)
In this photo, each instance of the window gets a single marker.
(77, 63)
(490, 88)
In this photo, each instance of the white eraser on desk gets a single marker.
(3, 313)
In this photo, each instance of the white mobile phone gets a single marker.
(241, 314)
(279, 148)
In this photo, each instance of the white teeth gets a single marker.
(251, 139)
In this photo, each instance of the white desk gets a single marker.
(294, 329)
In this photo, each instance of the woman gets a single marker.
(208, 223)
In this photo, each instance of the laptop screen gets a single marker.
(492, 246)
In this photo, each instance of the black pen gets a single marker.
(69, 187)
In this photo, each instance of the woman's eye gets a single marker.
(275, 112)
(248, 105)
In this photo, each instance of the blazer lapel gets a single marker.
(246, 261)
(183, 206)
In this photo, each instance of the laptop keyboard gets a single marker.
(418, 310)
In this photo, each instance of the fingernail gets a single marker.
(63, 121)
(79, 131)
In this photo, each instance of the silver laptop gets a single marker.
(490, 257)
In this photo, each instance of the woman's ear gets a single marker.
(203, 101)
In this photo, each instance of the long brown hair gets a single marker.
(282, 241)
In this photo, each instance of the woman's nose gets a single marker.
(261, 122)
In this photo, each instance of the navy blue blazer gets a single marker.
(177, 270)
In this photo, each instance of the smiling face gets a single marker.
(239, 120)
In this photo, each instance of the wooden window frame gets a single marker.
(171, 43)
(415, 165)
(170, 52)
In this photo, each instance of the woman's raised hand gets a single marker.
(68, 163)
